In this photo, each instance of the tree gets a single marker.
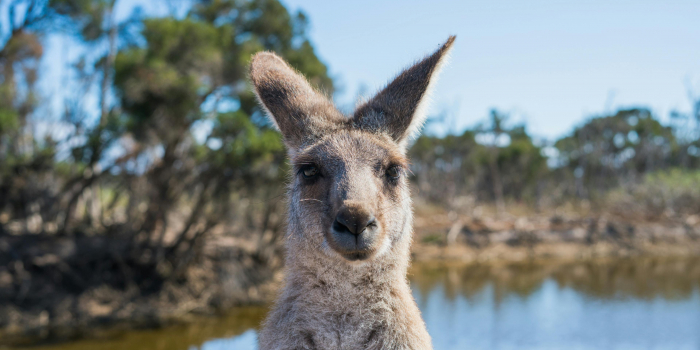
(490, 162)
(179, 76)
(20, 52)
(187, 69)
(495, 132)
(608, 150)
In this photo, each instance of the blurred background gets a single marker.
(556, 184)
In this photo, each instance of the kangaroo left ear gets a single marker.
(301, 113)
(399, 110)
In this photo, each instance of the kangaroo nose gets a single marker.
(353, 220)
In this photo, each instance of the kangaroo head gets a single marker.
(349, 196)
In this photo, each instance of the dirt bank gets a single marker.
(441, 236)
(58, 288)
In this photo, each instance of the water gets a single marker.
(616, 304)
(604, 308)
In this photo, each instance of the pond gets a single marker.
(608, 304)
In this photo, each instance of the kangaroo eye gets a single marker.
(309, 171)
(393, 172)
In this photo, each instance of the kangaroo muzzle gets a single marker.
(354, 233)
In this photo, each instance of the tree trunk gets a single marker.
(496, 182)
(108, 63)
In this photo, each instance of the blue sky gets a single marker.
(551, 64)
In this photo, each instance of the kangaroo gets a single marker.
(350, 221)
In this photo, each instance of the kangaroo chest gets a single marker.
(346, 327)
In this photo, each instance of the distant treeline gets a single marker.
(603, 159)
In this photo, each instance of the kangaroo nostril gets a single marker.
(340, 227)
(364, 223)
(372, 222)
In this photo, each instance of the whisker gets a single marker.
(311, 199)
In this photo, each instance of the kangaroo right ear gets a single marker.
(301, 113)
(399, 109)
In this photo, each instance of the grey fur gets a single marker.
(330, 301)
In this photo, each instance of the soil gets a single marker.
(486, 239)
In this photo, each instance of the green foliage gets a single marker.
(453, 166)
(183, 63)
(443, 166)
(521, 164)
(677, 180)
(89, 15)
(244, 144)
(19, 67)
(434, 238)
(605, 149)
(8, 121)
(267, 25)
(672, 192)
(599, 156)
(169, 82)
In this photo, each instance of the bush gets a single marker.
(667, 193)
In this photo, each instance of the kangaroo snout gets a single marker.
(354, 232)
(353, 220)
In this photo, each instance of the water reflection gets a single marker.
(236, 330)
(624, 304)
(604, 279)
(607, 304)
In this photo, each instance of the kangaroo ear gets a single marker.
(301, 113)
(400, 108)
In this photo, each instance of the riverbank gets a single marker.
(456, 297)
(46, 292)
(54, 289)
(510, 238)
